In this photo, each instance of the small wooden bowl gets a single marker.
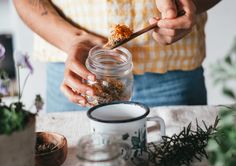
(55, 157)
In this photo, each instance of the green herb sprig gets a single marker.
(181, 149)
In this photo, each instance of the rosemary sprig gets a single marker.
(181, 149)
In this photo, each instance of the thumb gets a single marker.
(167, 8)
(154, 20)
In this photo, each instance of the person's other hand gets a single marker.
(75, 71)
(173, 26)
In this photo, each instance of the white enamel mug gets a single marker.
(126, 120)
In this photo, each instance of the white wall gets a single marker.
(220, 31)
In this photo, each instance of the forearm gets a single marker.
(42, 18)
(204, 5)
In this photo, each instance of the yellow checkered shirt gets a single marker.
(148, 56)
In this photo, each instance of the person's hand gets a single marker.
(75, 70)
(172, 26)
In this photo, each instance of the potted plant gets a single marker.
(17, 124)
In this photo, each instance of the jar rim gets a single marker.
(125, 63)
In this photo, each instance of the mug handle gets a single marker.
(161, 122)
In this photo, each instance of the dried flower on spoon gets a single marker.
(118, 34)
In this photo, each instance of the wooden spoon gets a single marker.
(138, 33)
(134, 35)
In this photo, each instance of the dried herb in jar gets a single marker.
(108, 90)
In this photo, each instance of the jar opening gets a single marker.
(109, 62)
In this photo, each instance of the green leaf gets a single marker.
(13, 118)
(136, 153)
(228, 60)
(212, 145)
(125, 136)
(135, 142)
(228, 92)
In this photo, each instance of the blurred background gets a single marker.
(220, 33)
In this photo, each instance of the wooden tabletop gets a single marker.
(73, 125)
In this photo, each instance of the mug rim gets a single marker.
(145, 107)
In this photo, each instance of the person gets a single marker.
(167, 70)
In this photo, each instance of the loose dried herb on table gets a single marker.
(181, 149)
(45, 147)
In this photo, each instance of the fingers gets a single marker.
(185, 21)
(166, 32)
(74, 89)
(162, 35)
(80, 70)
(163, 40)
(74, 82)
(188, 6)
(72, 96)
(154, 20)
(167, 8)
(75, 63)
(166, 40)
(75, 71)
(171, 29)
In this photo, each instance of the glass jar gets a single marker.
(100, 150)
(114, 78)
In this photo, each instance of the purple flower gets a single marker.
(4, 85)
(2, 51)
(22, 60)
(3, 91)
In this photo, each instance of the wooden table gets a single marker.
(73, 125)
